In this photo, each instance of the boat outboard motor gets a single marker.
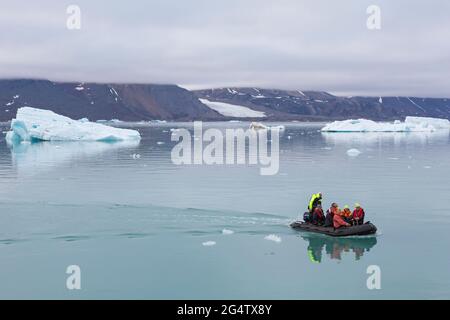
(307, 217)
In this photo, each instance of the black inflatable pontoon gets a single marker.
(361, 230)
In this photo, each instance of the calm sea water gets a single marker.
(136, 224)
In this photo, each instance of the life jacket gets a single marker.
(358, 213)
(347, 213)
(334, 210)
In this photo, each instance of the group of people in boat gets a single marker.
(334, 217)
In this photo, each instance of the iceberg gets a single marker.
(411, 124)
(436, 123)
(32, 124)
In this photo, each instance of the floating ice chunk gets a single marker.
(33, 124)
(273, 237)
(257, 126)
(423, 122)
(353, 152)
(227, 232)
(209, 243)
(427, 167)
(260, 126)
(233, 110)
(136, 156)
(160, 142)
(411, 124)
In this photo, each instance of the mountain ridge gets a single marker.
(137, 102)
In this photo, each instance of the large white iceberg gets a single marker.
(411, 124)
(33, 124)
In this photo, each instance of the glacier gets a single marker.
(32, 124)
(411, 124)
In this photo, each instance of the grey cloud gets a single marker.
(292, 44)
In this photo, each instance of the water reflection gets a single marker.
(31, 157)
(385, 137)
(335, 247)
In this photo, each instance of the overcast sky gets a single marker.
(286, 44)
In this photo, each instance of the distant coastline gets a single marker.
(145, 102)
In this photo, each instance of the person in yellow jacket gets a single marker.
(316, 199)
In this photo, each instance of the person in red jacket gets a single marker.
(358, 214)
(318, 217)
(338, 221)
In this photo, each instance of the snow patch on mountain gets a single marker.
(233, 110)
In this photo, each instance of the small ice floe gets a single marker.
(174, 129)
(353, 152)
(427, 167)
(289, 137)
(209, 243)
(273, 237)
(136, 156)
(260, 126)
(160, 142)
(227, 231)
(394, 158)
(257, 126)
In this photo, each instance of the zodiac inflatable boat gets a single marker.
(360, 230)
